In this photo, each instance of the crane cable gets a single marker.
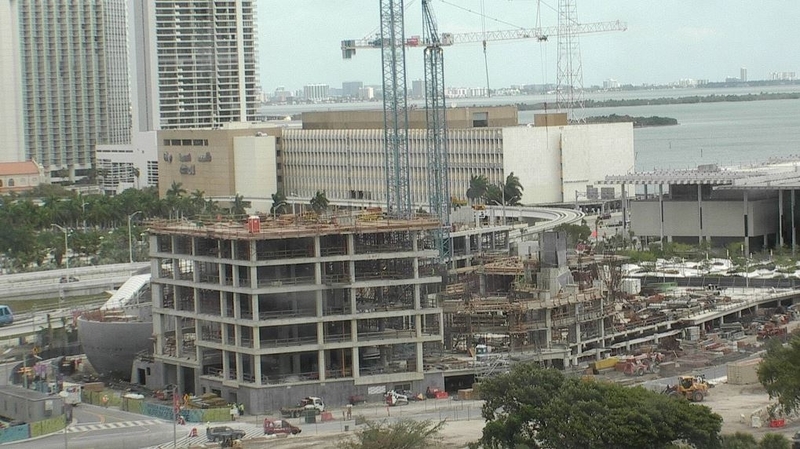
(485, 56)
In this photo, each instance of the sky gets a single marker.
(665, 41)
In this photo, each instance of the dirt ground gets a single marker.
(735, 403)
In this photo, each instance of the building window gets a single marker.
(480, 119)
(175, 142)
(186, 142)
(166, 142)
(197, 142)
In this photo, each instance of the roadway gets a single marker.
(91, 280)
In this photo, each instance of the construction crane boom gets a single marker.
(436, 137)
(395, 109)
(349, 46)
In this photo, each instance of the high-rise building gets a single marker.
(195, 62)
(743, 74)
(351, 89)
(316, 92)
(65, 65)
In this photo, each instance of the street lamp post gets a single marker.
(63, 394)
(503, 193)
(130, 238)
(66, 245)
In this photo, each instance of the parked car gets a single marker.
(6, 316)
(280, 427)
(222, 433)
(66, 279)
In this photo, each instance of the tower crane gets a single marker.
(395, 109)
(436, 137)
(349, 46)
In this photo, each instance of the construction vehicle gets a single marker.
(643, 364)
(308, 403)
(693, 388)
(395, 398)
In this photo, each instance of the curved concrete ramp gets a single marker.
(552, 216)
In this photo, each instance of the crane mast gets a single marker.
(569, 82)
(436, 137)
(395, 109)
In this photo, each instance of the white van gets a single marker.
(6, 316)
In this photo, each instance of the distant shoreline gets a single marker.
(638, 121)
(713, 98)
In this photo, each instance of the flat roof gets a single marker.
(288, 227)
(788, 180)
(720, 177)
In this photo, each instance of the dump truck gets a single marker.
(308, 403)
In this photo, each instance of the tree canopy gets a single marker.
(403, 434)
(778, 373)
(536, 408)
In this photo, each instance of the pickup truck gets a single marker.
(309, 403)
(222, 433)
(280, 427)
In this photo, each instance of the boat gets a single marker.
(121, 328)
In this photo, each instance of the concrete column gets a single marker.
(239, 370)
(661, 213)
(548, 323)
(780, 218)
(746, 227)
(226, 366)
(624, 212)
(419, 357)
(356, 367)
(321, 364)
(257, 368)
(295, 363)
(700, 213)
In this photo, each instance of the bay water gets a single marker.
(725, 133)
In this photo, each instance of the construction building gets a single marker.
(533, 307)
(270, 311)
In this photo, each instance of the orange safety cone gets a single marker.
(193, 433)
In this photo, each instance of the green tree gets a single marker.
(739, 440)
(508, 192)
(774, 441)
(279, 204)
(478, 185)
(403, 434)
(777, 372)
(513, 190)
(239, 205)
(536, 408)
(319, 202)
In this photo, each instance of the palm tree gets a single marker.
(279, 204)
(176, 190)
(198, 202)
(174, 198)
(508, 193)
(513, 190)
(478, 186)
(319, 202)
(239, 204)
